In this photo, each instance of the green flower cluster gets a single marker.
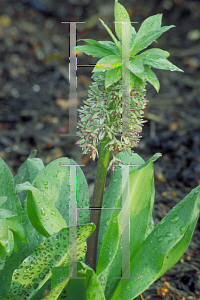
(101, 116)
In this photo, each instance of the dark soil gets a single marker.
(34, 94)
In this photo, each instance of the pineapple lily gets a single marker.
(120, 74)
(109, 271)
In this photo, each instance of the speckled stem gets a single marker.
(96, 202)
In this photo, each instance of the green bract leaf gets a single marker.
(112, 76)
(136, 67)
(111, 46)
(112, 36)
(121, 15)
(95, 50)
(150, 24)
(151, 77)
(106, 63)
(133, 35)
(161, 63)
(153, 52)
(147, 39)
(107, 45)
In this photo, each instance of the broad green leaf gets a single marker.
(146, 40)
(109, 260)
(81, 289)
(162, 248)
(53, 253)
(114, 192)
(55, 293)
(3, 199)
(153, 52)
(151, 77)
(95, 50)
(150, 24)
(13, 206)
(136, 67)
(121, 15)
(112, 76)
(106, 63)
(5, 213)
(14, 224)
(105, 44)
(160, 63)
(3, 232)
(42, 212)
(53, 181)
(112, 36)
(28, 171)
(111, 46)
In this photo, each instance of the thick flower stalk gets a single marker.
(101, 116)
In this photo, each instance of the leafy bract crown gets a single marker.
(125, 50)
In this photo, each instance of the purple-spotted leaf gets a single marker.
(35, 270)
(87, 288)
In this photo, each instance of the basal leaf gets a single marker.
(141, 205)
(14, 224)
(42, 212)
(162, 248)
(35, 270)
(86, 288)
